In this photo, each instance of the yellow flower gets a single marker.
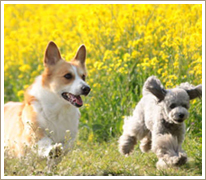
(126, 57)
(176, 64)
(159, 71)
(25, 68)
(98, 65)
(91, 137)
(20, 93)
(26, 86)
(153, 61)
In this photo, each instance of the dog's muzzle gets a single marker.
(181, 117)
(76, 100)
(179, 114)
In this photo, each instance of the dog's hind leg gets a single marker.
(134, 129)
(126, 144)
(146, 143)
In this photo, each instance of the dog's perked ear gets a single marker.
(52, 54)
(154, 86)
(195, 92)
(192, 91)
(81, 55)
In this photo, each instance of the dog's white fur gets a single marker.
(158, 122)
(54, 114)
(46, 118)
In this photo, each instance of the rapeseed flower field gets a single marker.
(125, 44)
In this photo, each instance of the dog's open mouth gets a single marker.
(74, 100)
(180, 120)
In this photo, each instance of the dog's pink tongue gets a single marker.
(78, 100)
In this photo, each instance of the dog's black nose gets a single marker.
(85, 90)
(181, 116)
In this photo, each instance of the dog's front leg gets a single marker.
(55, 156)
(52, 151)
(183, 156)
(166, 147)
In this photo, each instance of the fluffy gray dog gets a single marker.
(158, 122)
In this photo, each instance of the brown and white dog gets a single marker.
(50, 107)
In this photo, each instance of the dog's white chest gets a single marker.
(58, 121)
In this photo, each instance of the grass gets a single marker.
(103, 159)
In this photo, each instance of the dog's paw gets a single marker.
(145, 146)
(56, 151)
(55, 156)
(173, 161)
(179, 160)
(182, 159)
(167, 162)
(161, 164)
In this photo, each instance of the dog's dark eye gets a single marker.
(172, 106)
(185, 106)
(68, 76)
(83, 77)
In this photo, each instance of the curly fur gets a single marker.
(158, 122)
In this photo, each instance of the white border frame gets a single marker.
(104, 2)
